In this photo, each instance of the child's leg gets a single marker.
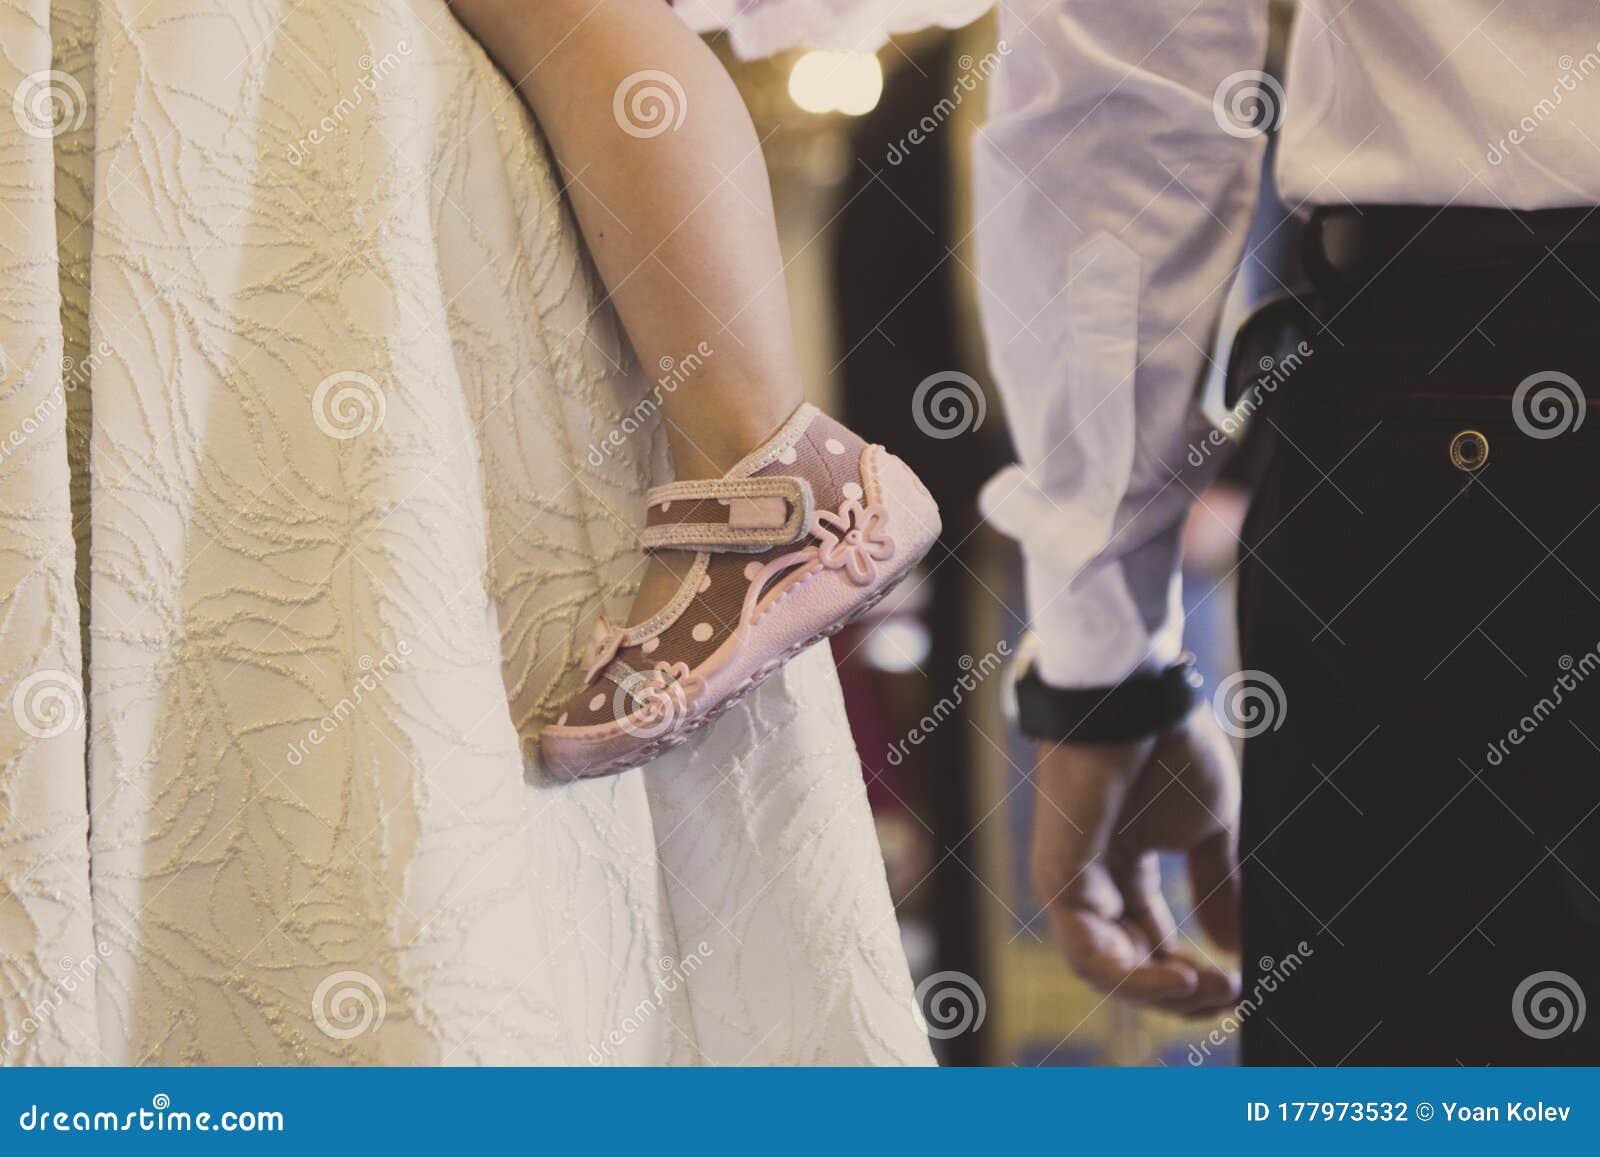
(680, 223)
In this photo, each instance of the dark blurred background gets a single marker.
(877, 232)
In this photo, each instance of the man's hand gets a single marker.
(1102, 813)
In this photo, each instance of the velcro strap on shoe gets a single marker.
(728, 514)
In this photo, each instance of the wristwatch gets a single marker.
(1140, 706)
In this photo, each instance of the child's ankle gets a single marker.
(713, 453)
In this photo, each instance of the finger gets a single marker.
(1165, 983)
(1214, 880)
(1105, 955)
(1162, 983)
(1147, 910)
(1144, 905)
(1215, 989)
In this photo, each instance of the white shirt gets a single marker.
(1113, 195)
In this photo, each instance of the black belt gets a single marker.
(1355, 243)
(1409, 266)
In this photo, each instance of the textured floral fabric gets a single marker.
(762, 27)
(324, 387)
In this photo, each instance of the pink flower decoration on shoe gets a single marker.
(853, 539)
(604, 640)
(665, 696)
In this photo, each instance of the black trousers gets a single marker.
(1421, 828)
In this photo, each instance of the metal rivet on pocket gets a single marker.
(1469, 450)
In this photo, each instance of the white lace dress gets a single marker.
(324, 382)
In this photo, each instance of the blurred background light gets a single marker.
(898, 645)
(847, 82)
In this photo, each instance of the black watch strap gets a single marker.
(1136, 708)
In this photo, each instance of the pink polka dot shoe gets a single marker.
(805, 534)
